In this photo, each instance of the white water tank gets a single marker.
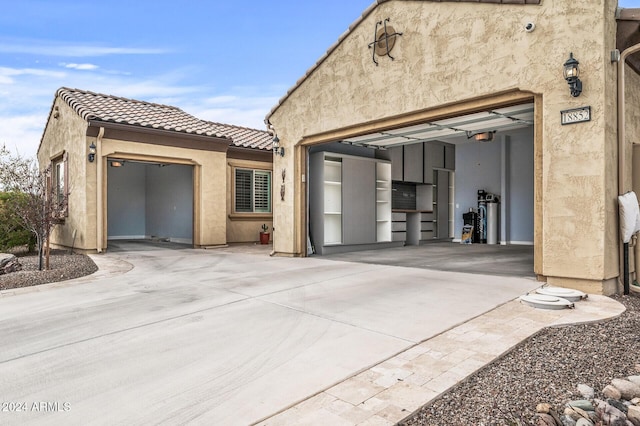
(492, 221)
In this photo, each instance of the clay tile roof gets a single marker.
(95, 106)
(245, 137)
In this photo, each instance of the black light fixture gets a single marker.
(92, 152)
(277, 149)
(571, 74)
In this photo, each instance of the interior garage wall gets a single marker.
(126, 198)
(479, 166)
(169, 202)
(147, 200)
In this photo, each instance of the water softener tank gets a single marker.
(492, 218)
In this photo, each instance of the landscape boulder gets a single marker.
(9, 263)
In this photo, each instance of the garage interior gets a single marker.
(474, 169)
(149, 200)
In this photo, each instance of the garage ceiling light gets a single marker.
(482, 136)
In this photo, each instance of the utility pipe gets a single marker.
(99, 215)
(622, 161)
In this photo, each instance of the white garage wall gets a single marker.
(479, 166)
(126, 200)
(169, 202)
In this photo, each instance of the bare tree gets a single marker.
(32, 204)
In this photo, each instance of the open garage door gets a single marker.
(149, 200)
(441, 170)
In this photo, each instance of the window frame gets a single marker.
(59, 187)
(269, 192)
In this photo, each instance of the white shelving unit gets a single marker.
(383, 202)
(350, 201)
(332, 201)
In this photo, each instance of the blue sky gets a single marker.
(220, 60)
(225, 61)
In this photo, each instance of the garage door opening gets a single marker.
(149, 200)
(440, 171)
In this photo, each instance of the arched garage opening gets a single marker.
(150, 200)
(418, 185)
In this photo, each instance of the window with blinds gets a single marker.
(252, 191)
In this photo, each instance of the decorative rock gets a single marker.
(576, 413)
(586, 391)
(553, 413)
(609, 414)
(584, 422)
(635, 401)
(633, 415)
(567, 421)
(9, 263)
(611, 392)
(545, 420)
(634, 379)
(582, 404)
(628, 389)
(543, 408)
(618, 404)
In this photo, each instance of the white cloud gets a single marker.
(22, 133)
(83, 67)
(62, 49)
(243, 110)
(11, 72)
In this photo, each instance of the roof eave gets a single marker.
(159, 136)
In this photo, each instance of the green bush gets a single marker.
(12, 233)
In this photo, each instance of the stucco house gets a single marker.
(423, 109)
(130, 169)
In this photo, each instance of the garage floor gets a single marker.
(509, 261)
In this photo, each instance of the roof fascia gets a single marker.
(127, 132)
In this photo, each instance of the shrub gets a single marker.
(12, 233)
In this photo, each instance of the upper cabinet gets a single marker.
(396, 154)
(415, 162)
(450, 157)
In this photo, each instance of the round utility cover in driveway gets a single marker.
(542, 301)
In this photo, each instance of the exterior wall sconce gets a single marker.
(277, 149)
(92, 153)
(571, 74)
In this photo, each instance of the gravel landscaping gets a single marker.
(64, 265)
(546, 368)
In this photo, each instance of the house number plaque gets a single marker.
(575, 115)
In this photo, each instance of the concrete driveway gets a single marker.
(217, 336)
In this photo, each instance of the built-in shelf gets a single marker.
(383, 202)
(342, 190)
(332, 201)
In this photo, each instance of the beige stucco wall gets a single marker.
(452, 52)
(67, 133)
(246, 227)
(209, 182)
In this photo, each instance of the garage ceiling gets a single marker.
(461, 128)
